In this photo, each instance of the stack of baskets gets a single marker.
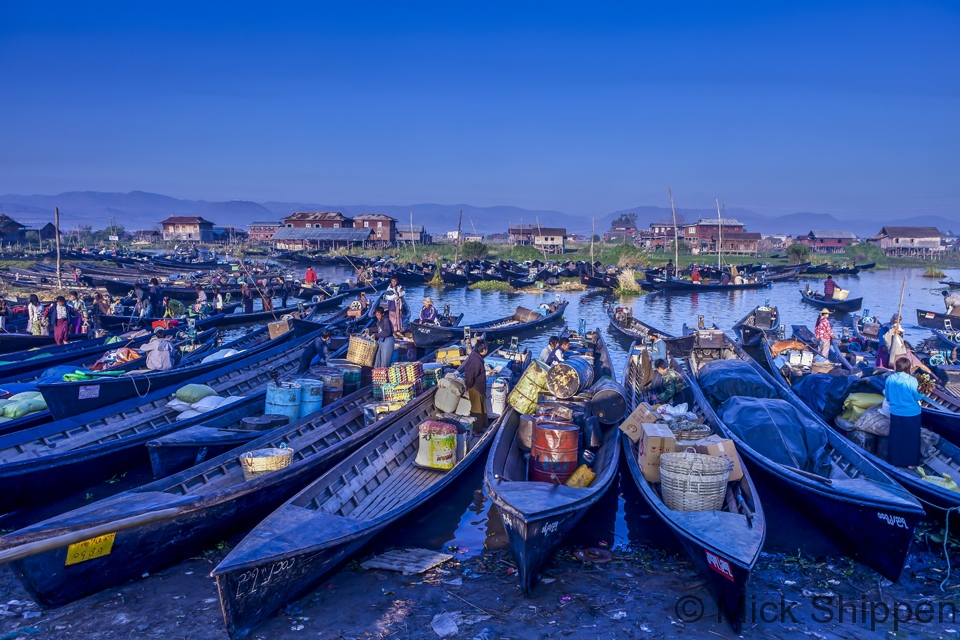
(263, 461)
(693, 481)
(362, 351)
(686, 430)
(400, 392)
(431, 375)
(405, 372)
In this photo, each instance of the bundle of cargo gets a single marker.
(452, 395)
(431, 375)
(452, 356)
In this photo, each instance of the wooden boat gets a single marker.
(426, 336)
(322, 295)
(592, 280)
(782, 276)
(159, 523)
(842, 306)
(724, 545)
(184, 448)
(688, 286)
(625, 324)
(934, 320)
(868, 515)
(65, 399)
(22, 364)
(127, 323)
(869, 265)
(496, 330)
(182, 293)
(318, 529)
(951, 283)
(946, 459)
(43, 463)
(537, 515)
(12, 342)
(761, 322)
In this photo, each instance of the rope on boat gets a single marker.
(946, 535)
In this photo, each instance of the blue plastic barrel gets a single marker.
(284, 400)
(311, 395)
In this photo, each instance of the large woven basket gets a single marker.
(693, 481)
(362, 351)
(687, 430)
(260, 462)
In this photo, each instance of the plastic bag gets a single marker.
(178, 405)
(438, 446)
(724, 379)
(194, 393)
(220, 355)
(857, 403)
(18, 409)
(25, 395)
(946, 481)
(207, 404)
(186, 415)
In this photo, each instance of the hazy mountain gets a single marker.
(142, 210)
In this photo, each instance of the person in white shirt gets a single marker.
(547, 350)
(160, 351)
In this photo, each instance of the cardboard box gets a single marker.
(720, 447)
(642, 414)
(280, 327)
(655, 439)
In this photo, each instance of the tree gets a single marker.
(625, 220)
(596, 238)
(473, 250)
(865, 252)
(798, 253)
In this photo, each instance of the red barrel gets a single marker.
(555, 450)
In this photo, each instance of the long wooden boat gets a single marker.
(538, 515)
(44, 463)
(934, 320)
(184, 448)
(159, 523)
(843, 306)
(174, 292)
(65, 399)
(428, 336)
(11, 342)
(496, 330)
(953, 284)
(868, 515)
(763, 321)
(688, 286)
(945, 460)
(126, 323)
(724, 545)
(312, 533)
(626, 324)
(22, 364)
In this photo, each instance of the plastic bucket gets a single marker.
(283, 399)
(554, 455)
(568, 378)
(498, 396)
(311, 395)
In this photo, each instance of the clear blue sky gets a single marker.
(576, 107)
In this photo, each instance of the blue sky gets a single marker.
(832, 107)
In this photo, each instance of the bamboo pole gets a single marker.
(56, 237)
(676, 239)
(900, 306)
(456, 259)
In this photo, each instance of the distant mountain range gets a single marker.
(142, 210)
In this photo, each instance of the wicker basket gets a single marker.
(693, 481)
(362, 351)
(263, 461)
(687, 430)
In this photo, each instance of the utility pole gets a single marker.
(539, 235)
(676, 238)
(412, 236)
(56, 237)
(593, 234)
(459, 240)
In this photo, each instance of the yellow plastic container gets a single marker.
(581, 478)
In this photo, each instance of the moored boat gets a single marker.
(763, 321)
(501, 328)
(934, 320)
(842, 306)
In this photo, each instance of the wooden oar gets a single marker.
(42, 546)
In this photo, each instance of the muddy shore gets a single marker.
(639, 592)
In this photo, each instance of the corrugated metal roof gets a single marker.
(264, 223)
(910, 232)
(320, 235)
(827, 233)
(316, 215)
(405, 228)
(185, 220)
(373, 216)
(717, 222)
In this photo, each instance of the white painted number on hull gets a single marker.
(893, 521)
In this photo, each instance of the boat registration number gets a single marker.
(720, 565)
(88, 392)
(90, 549)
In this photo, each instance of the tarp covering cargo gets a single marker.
(777, 431)
(825, 394)
(723, 379)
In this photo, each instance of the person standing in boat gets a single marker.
(896, 346)
(60, 316)
(142, 307)
(828, 288)
(823, 332)
(695, 276)
(901, 390)
(35, 317)
(725, 278)
(246, 294)
(310, 277)
(156, 298)
(670, 269)
(267, 298)
(160, 351)
(284, 292)
(364, 303)
(951, 300)
(315, 349)
(4, 314)
(428, 314)
(394, 297)
(217, 300)
(657, 348)
(384, 337)
(547, 350)
(81, 308)
(474, 373)
(201, 308)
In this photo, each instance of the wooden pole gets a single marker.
(593, 234)
(720, 241)
(900, 306)
(456, 260)
(540, 234)
(676, 239)
(412, 240)
(56, 237)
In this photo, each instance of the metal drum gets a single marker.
(568, 378)
(312, 392)
(333, 381)
(524, 396)
(609, 401)
(555, 452)
(283, 399)
(525, 432)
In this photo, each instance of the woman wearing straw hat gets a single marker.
(428, 314)
(824, 332)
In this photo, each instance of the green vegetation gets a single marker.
(798, 253)
(492, 285)
(865, 252)
(933, 272)
(473, 250)
(627, 283)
